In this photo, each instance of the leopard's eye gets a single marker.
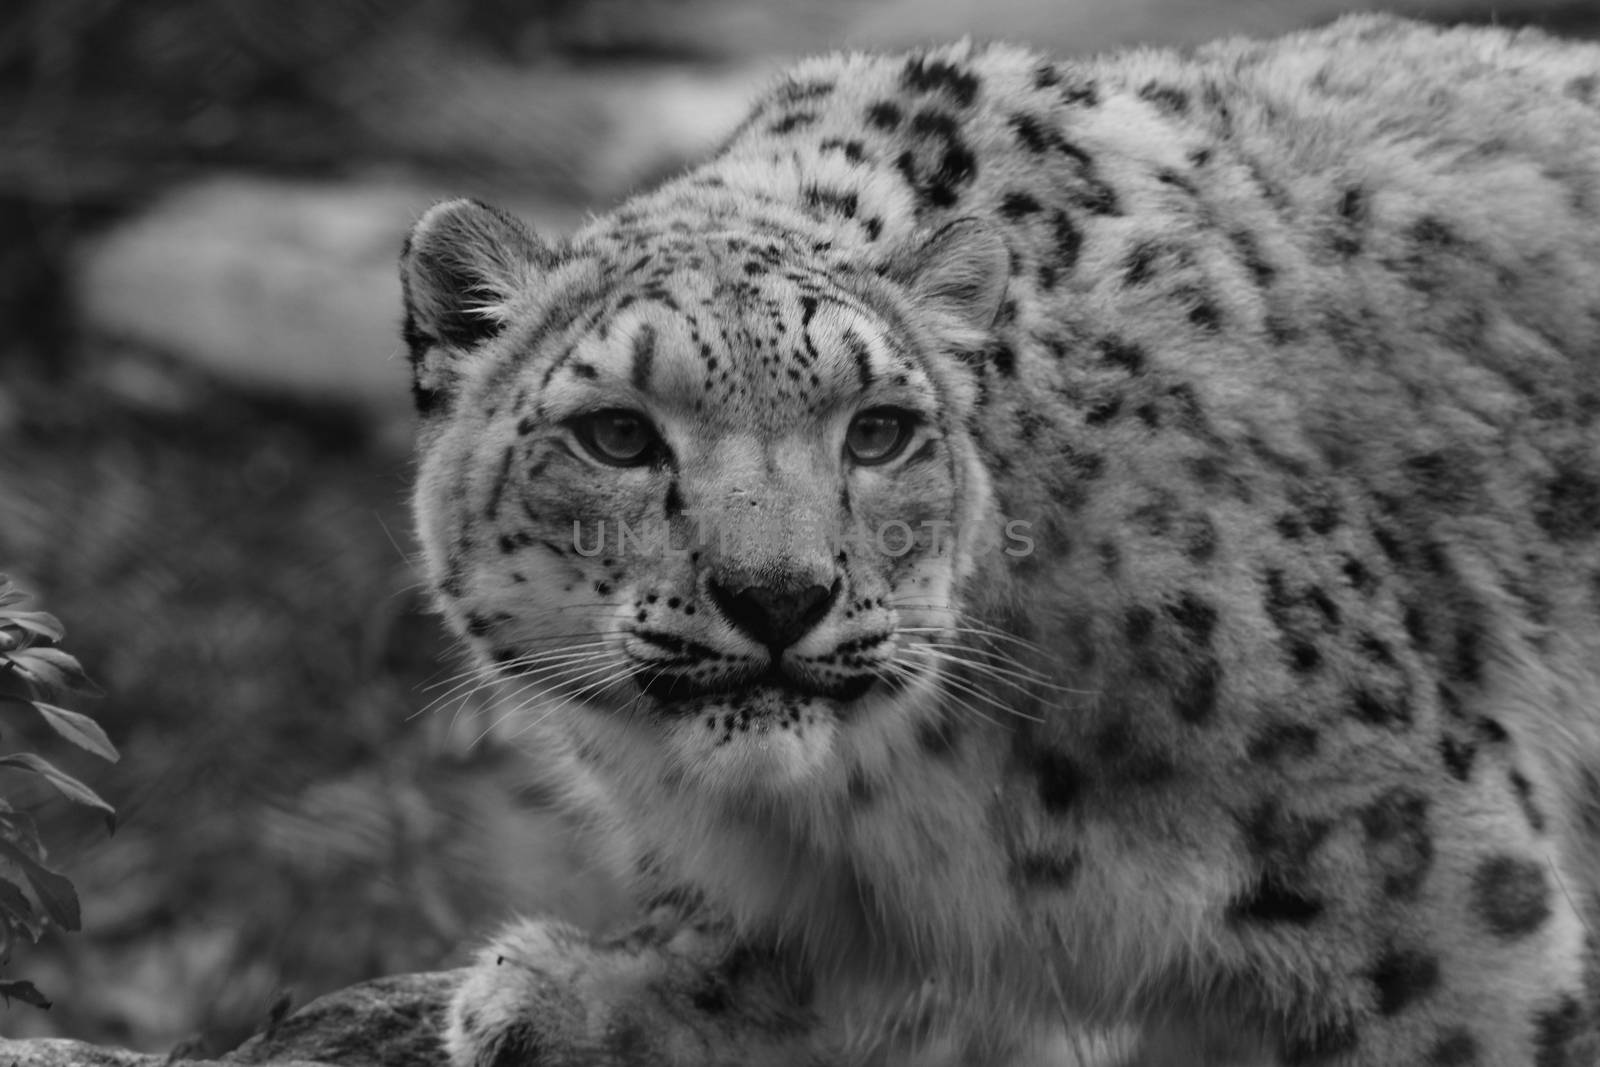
(878, 436)
(620, 438)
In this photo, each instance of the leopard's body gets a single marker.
(1223, 655)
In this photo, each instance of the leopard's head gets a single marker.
(704, 498)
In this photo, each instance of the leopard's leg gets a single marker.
(670, 991)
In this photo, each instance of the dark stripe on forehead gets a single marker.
(863, 357)
(556, 365)
(644, 357)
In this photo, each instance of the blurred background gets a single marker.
(204, 440)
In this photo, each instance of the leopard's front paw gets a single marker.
(544, 994)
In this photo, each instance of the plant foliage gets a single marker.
(34, 671)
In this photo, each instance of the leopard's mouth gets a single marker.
(678, 694)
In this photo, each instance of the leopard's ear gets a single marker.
(462, 265)
(960, 273)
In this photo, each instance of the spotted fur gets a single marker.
(1222, 661)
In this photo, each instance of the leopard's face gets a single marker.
(709, 509)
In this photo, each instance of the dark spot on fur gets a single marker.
(1304, 657)
(1196, 617)
(1357, 574)
(1015, 205)
(1204, 314)
(1352, 211)
(1468, 657)
(1458, 755)
(884, 115)
(1136, 269)
(1059, 780)
(854, 151)
(1196, 699)
(952, 162)
(1068, 239)
(792, 121)
(1168, 98)
(1401, 976)
(1103, 410)
(831, 200)
(1376, 650)
(1455, 1048)
(1130, 357)
(1284, 740)
(1044, 869)
(1138, 624)
(1432, 232)
(1283, 845)
(1568, 507)
(1004, 359)
(923, 75)
(1399, 840)
(644, 355)
(1377, 709)
(1389, 543)
(1282, 841)
(1030, 134)
(1199, 538)
(1085, 95)
(1324, 605)
(1511, 896)
(1250, 253)
(1268, 902)
(711, 995)
(1557, 1034)
(1416, 625)
(1524, 794)
(793, 92)
(1448, 478)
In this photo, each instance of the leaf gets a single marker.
(74, 726)
(41, 623)
(63, 782)
(24, 991)
(51, 669)
(17, 909)
(56, 895)
(19, 828)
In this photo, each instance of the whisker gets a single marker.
(945, 679)
(537, 667)
(961, 705)
(1010, 669)
(477, 670)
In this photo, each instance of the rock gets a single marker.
(390, 1022)
(283, 285)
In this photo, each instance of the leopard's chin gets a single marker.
(765, 738)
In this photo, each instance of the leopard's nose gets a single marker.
(775, 615)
